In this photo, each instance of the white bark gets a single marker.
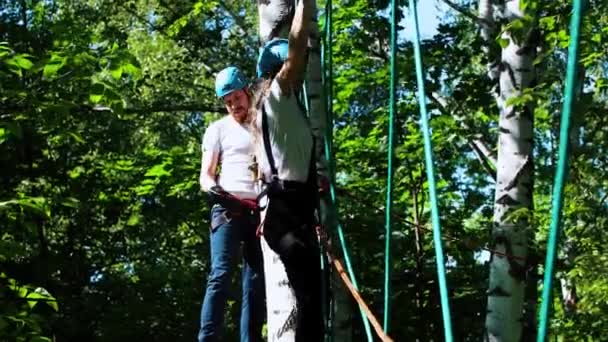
(487, 32)
(567, 285)
(280, 298)
(275, 18)
(507, 285)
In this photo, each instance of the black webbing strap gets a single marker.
(267, 147)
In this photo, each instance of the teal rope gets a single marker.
(329, 155)
(562, 164)
(428, 154)
(389, 179)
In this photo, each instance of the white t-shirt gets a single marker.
(233, 142)
(290, 136)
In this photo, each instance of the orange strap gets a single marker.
(340, 269)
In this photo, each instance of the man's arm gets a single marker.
(208, 169)
(292, 71)
(211, 152)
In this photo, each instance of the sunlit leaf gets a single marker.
(54, 65)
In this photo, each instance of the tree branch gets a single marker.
(479, 147)
(479, 21)
(485, 163)
(190, 107)
(154, 108)
(162, 31)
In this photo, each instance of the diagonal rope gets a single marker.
(428, 156)
(561, 173)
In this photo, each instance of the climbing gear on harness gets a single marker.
(236, 206)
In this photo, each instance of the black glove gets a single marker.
(217, 190)
(217, 195)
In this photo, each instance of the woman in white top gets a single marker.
(284, 145)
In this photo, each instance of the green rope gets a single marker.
(389, 178)
(562, 164)
(428, 154)
(328, 80)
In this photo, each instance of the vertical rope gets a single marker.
(561, 173)
(428, 156)
(328, 145)
(389, 178)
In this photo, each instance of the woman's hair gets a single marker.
(257, 93)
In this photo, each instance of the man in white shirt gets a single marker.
(288, 168)
(227, 144)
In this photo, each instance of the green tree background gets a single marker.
(103, 228)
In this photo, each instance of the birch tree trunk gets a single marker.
(514, 186)
(567, 285)
(275, 20)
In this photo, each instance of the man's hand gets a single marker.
(217, 190)
(217, 194)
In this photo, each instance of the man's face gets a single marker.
(237, 104)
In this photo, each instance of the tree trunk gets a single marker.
(419, 282)
(513, 201)
(275, 20)
(280, 298)
(567, 285)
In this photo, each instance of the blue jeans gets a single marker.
(227, 232)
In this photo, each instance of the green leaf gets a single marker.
(132, 70)
(97, 91)
(597, 38)
(158, 171)
(95, 98)
(4, 49)
(76, 172)
(145, 189)
(547, 22)
(22, 61)
(34, 299)
(42, 295)
(40, 339)
(35, 204)
(53, 66)
(77, 137)
(70, 202)
(133, 219)
(117, 73)
(503, 42)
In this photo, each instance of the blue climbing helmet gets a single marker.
(272, 56)
(229, 80)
